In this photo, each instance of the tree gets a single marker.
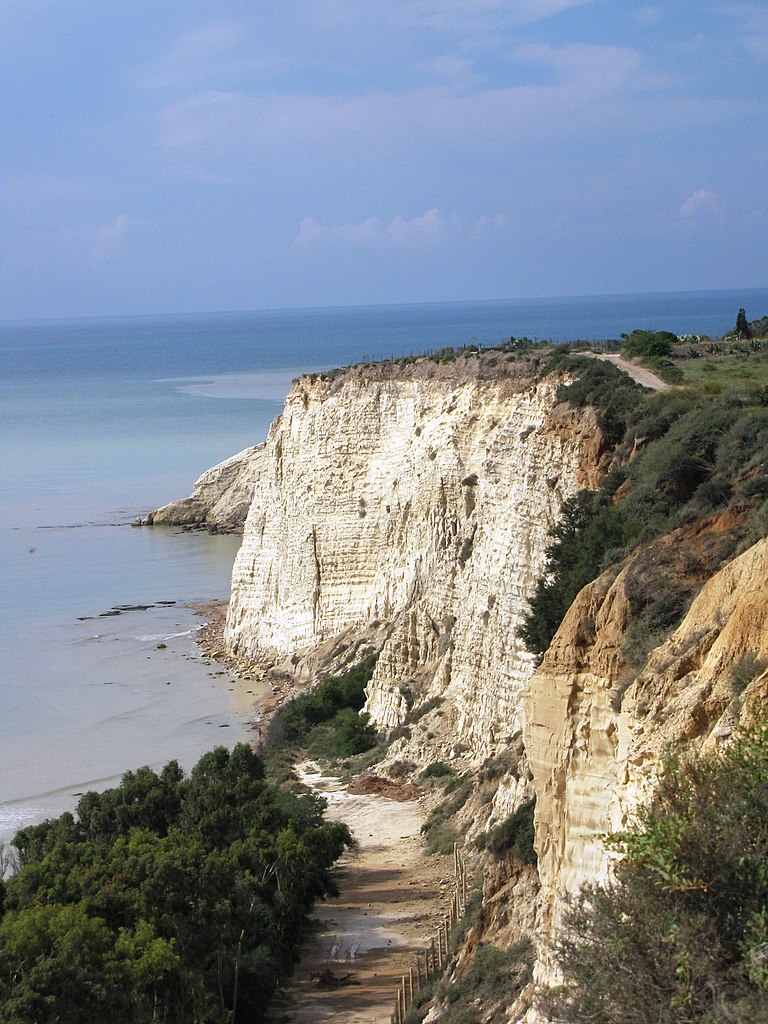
(742, 325)
(166, 898)
(649, 343)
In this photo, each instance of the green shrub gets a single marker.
(649, 344)
(350, 733)
(589, 527)
(601, 385)
(690, 456)
(493, 980)
(436, 770)
(299, 716)
(515, 835)
(172, 898)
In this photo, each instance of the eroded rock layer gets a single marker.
(597, 732)
(420, 497)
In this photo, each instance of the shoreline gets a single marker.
(210, 638)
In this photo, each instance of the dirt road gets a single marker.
(644, 377)
(392, 899)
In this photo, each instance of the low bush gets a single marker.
(327, 722)
(683, 456)
(649, 344)
(515, 835)
(599, 384)
(436, 770)
(491, 983)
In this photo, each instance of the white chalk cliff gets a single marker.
(419, 496)
(220, 498)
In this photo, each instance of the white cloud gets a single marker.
(752, 22)
(425, 231)
(208, 51)
(451, 14)
(590, 88)
(646, 16)
(700, 204)
(108, 238)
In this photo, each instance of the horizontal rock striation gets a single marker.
(220, 498)
(596, 734)
(418, 496)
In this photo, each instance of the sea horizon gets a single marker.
(299, 309)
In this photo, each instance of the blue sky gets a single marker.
(181, 155)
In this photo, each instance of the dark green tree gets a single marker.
(167, 898)
(742, 325)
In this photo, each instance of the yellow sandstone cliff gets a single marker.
(595, 751)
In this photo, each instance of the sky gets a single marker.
(162, 156)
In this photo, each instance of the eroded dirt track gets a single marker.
(638, 373)
(392, 898)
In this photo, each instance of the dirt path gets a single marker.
(392, 898)
(644, 377)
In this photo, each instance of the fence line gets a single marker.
(436, 956)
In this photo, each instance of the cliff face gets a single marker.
(595, 751)
(421, 498)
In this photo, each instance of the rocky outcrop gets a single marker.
(421, 497)
(220, 498)
(596, 732)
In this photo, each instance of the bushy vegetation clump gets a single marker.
(168, 898)
(681, 934)
(327, 722)
(515, 835)
(649, 344)
(601, 385)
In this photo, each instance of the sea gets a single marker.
(102, 420)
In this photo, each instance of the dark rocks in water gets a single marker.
(161, 647)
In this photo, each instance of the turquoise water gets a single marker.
(103, 419)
